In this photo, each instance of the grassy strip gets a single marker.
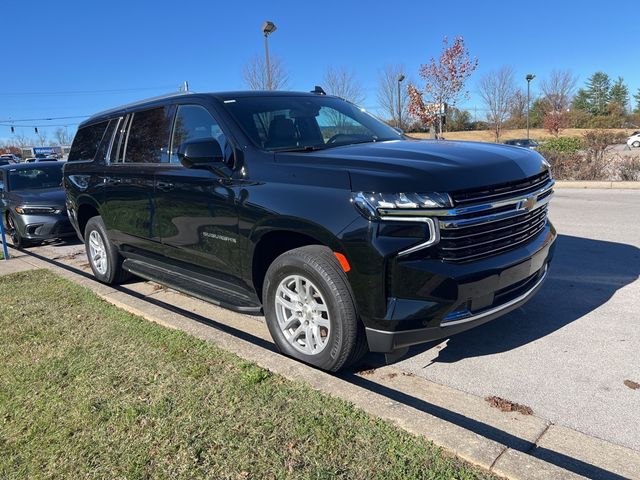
(90, 391)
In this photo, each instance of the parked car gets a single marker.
(32, 203)
(302, 206)
(634, 140)
(5, 162)
(523, 142)
(9, 157)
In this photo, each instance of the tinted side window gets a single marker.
(148, 137)
(101, 154)
(195, 122)
(86, 142)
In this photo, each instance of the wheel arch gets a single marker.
(86, 210)
(270, 243)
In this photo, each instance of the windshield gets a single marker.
(306, 122)
(34, 179)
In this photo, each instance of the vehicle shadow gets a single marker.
(584, 275)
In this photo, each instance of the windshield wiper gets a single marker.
(306, 148)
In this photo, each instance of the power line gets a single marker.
(11, 120)
(86, 92)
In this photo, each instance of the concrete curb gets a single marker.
(597, 184)
(506, 444)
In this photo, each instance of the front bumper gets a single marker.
(430, 299)
(384, 341)
(44, 227)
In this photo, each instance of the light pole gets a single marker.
(268, 28)
(529, 77)
(400, 79)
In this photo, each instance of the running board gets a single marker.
(208, 291)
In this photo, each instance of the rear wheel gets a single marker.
(18, 240)
(104, 258)
(310, 309)
(636, 144)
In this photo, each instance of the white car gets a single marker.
(634, 140)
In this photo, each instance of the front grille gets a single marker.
(495, 219)
(500, 191)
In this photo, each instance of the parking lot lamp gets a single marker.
(268, 28)
(529, 77)
(400, 79)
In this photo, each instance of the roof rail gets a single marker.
(141, 102)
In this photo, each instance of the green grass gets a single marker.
(90, 391)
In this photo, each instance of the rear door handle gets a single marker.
(164, 186)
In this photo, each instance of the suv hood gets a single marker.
(51, 197)
(425, 165)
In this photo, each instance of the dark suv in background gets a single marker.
(345, 233)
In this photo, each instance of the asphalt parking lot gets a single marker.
(567, 353)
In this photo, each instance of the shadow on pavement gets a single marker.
(583, 276)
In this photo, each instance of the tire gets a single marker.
(18, 240)
(104, 258)
(333, 335)
(636, 144)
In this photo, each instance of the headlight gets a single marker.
(372, 205)
(38, 210)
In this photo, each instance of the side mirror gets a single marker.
(200, 153)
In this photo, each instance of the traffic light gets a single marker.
(36, 129)
(13, 130)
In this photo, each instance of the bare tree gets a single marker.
(387, 94)
(557, 90)
(256, 78)
(518, 107)
(497, 89)
(41, 136)
(344, 84)
(21, 141)
(62, 136)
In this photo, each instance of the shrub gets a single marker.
(629, 169)
(561, 145)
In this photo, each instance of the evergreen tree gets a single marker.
(581, 101)
(620, 94)
(598, 90)
(636, 97)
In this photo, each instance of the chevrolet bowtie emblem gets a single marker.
(528, 203)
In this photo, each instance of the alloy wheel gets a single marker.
(98, 253)
(302, 314)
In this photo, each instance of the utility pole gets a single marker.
(529, 77)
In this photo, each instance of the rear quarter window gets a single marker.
(87, 141)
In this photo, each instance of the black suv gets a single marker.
(345, 233)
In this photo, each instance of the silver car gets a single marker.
(32, 203)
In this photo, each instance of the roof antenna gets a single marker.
(184, 87)
(318, 90)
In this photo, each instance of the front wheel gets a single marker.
(636, 144)
(310, 309)
(18, 240)
(104, 259)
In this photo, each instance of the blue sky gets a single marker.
(73, 58)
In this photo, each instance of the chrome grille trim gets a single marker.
(495, 251)
(486, 232)
(474, 245)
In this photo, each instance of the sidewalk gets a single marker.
(509, 444)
